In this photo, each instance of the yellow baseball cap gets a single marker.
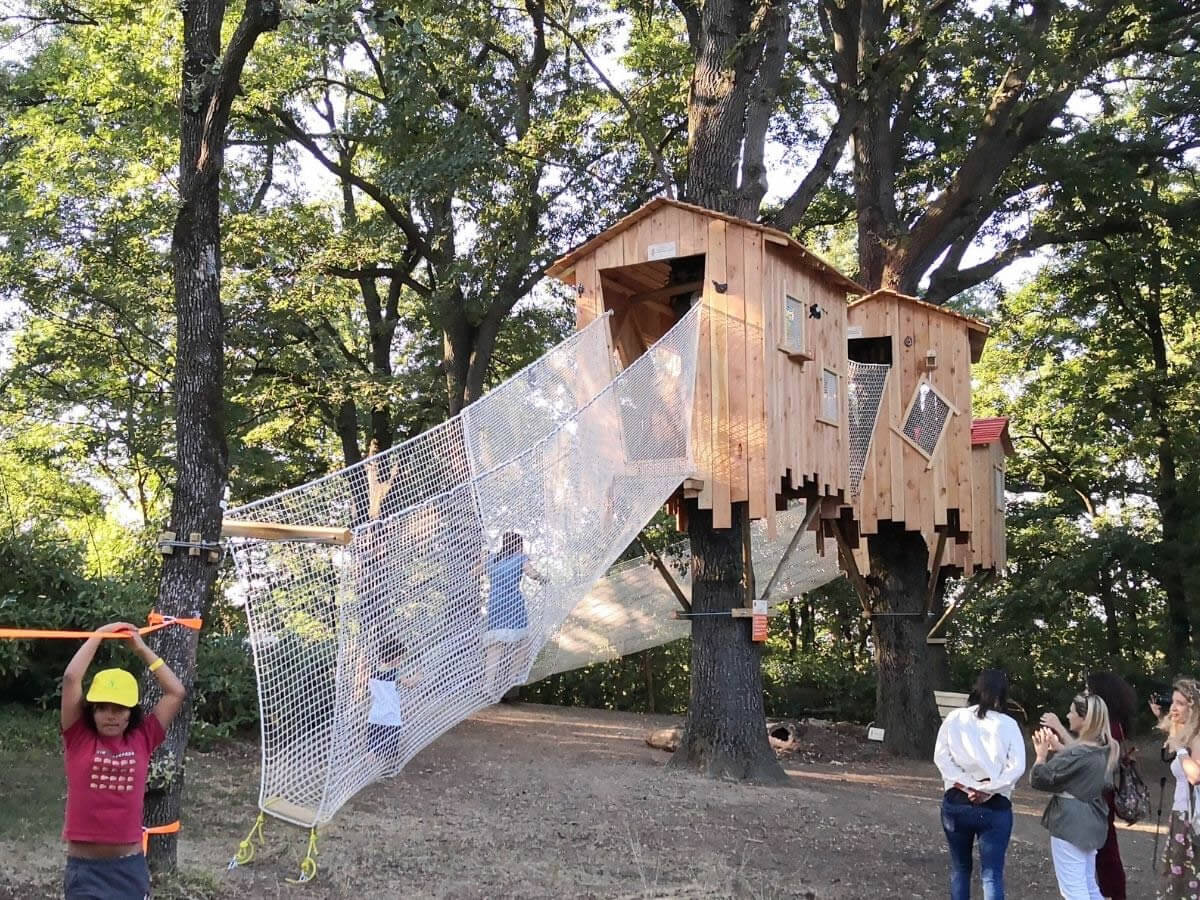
(114, 686)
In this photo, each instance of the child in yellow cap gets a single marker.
(107, 743)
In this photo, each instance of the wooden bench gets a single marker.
(948, 701)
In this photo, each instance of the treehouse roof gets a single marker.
(824, 269)
(977, 331)
(989, 431)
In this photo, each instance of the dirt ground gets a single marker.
(529, 801)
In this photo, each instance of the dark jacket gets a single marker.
(1078, 777)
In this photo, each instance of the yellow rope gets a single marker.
(308, 865)
(245, 851)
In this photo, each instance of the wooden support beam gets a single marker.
(977, 584)
(658, 564)
(810, 513)
(692, 488)
(747, 558)
(274, 531)
(664, 293)
(739, 613)
(846, 553)
(931, 590)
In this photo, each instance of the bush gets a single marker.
(41, 586)
(824, 684)
(225, 695)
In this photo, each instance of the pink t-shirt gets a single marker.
(106, 781)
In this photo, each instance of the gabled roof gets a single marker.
(988, 431)
(977, 331)
(563, 264)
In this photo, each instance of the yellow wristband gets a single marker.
(157, 664)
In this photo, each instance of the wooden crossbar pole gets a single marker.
(658, 564)
(935, 572)
(970, 591)
(851, 567)
(274, 531)
(810, 513)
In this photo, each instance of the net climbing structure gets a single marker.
(470, 546)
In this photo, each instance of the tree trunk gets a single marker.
(904, 704)
(209, 84)
(725, 735)
(1112, 629)
(793, 627)
(648, 672)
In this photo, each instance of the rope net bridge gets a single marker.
(466, 549)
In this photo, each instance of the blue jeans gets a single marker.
(992, 825)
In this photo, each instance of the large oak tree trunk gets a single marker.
(725, 735)
(904, 704)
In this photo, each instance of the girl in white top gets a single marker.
(981, 754)
(1181, 859)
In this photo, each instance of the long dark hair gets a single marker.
(1118, 696)
(511, 544)
(89, 716)
(990, 692)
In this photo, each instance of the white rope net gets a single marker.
(633, 608)
(471, 545)
(866, 384)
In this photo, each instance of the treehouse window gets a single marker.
(830, 396)
(999, 488)
(926, 420)
(793, 324)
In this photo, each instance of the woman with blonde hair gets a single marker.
(1181, 859)
(1077, 773)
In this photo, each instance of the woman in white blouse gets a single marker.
(981, 754)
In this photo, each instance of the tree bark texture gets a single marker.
(725, 735)
(209, 84)
(904, 704)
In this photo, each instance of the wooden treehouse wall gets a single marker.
(808, 453)
(758, 436)
(987, 548)
(930, 495)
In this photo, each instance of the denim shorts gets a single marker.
(124, 878)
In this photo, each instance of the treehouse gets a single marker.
(770, 422)
(921, 467)
(990, 448)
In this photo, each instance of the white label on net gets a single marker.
(661, 251)
(760, 606)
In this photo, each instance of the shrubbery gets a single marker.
(41, 586)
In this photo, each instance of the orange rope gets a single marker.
(157, 621)
(157, 829)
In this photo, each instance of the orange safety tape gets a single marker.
(157, 829)
(157, 621)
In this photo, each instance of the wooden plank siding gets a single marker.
(717, 484)
(901, 484)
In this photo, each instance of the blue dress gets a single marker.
(506, 605)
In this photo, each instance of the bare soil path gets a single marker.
(529, 801)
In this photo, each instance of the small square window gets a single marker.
(793, 323)
(830, 400)
(926, 419)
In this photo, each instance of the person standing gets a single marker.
(1078, 774)
(107, 743)
(1180, 878)
(981, 755)
(1121, 701)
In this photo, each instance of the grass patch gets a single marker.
(189, 884)
(31, 759)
